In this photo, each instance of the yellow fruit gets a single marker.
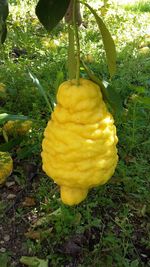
(2, 90)
(2, 87)
(51, 44)
(89, 58)
(144, 50)
(79, 145)
(17, 127)
(6, 166)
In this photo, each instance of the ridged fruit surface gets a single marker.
(17, 127)
(79, 145)
(6, 166)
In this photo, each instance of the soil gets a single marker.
(16, 217)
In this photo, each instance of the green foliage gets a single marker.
(4, 259)
(33, 262)
(108, 42)
(3, 17)
(42, 91)
(139, 6)
(51, 12)
(110, 95)
(5, 117)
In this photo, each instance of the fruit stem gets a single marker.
(77, 41)
(71, 53)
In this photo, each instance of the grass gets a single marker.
(139, 6)
(111, 227)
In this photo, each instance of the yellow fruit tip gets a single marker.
(72, 196)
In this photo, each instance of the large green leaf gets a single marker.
(4, 258)
(59, 79)
(50, 12)
(42, 91)
(114, 99)
(107, 41)
(3, 16)
(96, 80)
(110, 95)
(6, 117)
(34, 262)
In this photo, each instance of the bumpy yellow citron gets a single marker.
(17, 127)
(79, 145)
(6, 166)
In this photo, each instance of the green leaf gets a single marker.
(59, 79)
(144, 100)
(6, 117)
(134, 263)
(108, 42)
(46, 219)
(4, 258)
(33, 261)
(96, 80)
(3, 32)
(110, 95)
(114, 99)
(3, 16)
(5, 135)
(4, 9)
(138, 89)
(10, 144)
(42, 91)
(50, 12)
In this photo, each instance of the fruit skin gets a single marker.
(6, 166)
(79, 145)
(17, 127)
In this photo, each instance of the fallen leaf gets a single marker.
(36, 235)
(73, 246)
(47, 218)
(10, 184)
(33, 261)
(11, 196)
(29, 169)
(33, 235)
(29, 202)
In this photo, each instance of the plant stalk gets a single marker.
(71, 53)
(75, 25)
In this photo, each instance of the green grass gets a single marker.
(139, 6)
(111, 227)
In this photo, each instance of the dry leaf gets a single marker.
(38, 234)
(29, 202)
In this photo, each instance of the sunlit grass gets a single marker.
(135, 5)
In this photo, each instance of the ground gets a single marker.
(111, 227)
